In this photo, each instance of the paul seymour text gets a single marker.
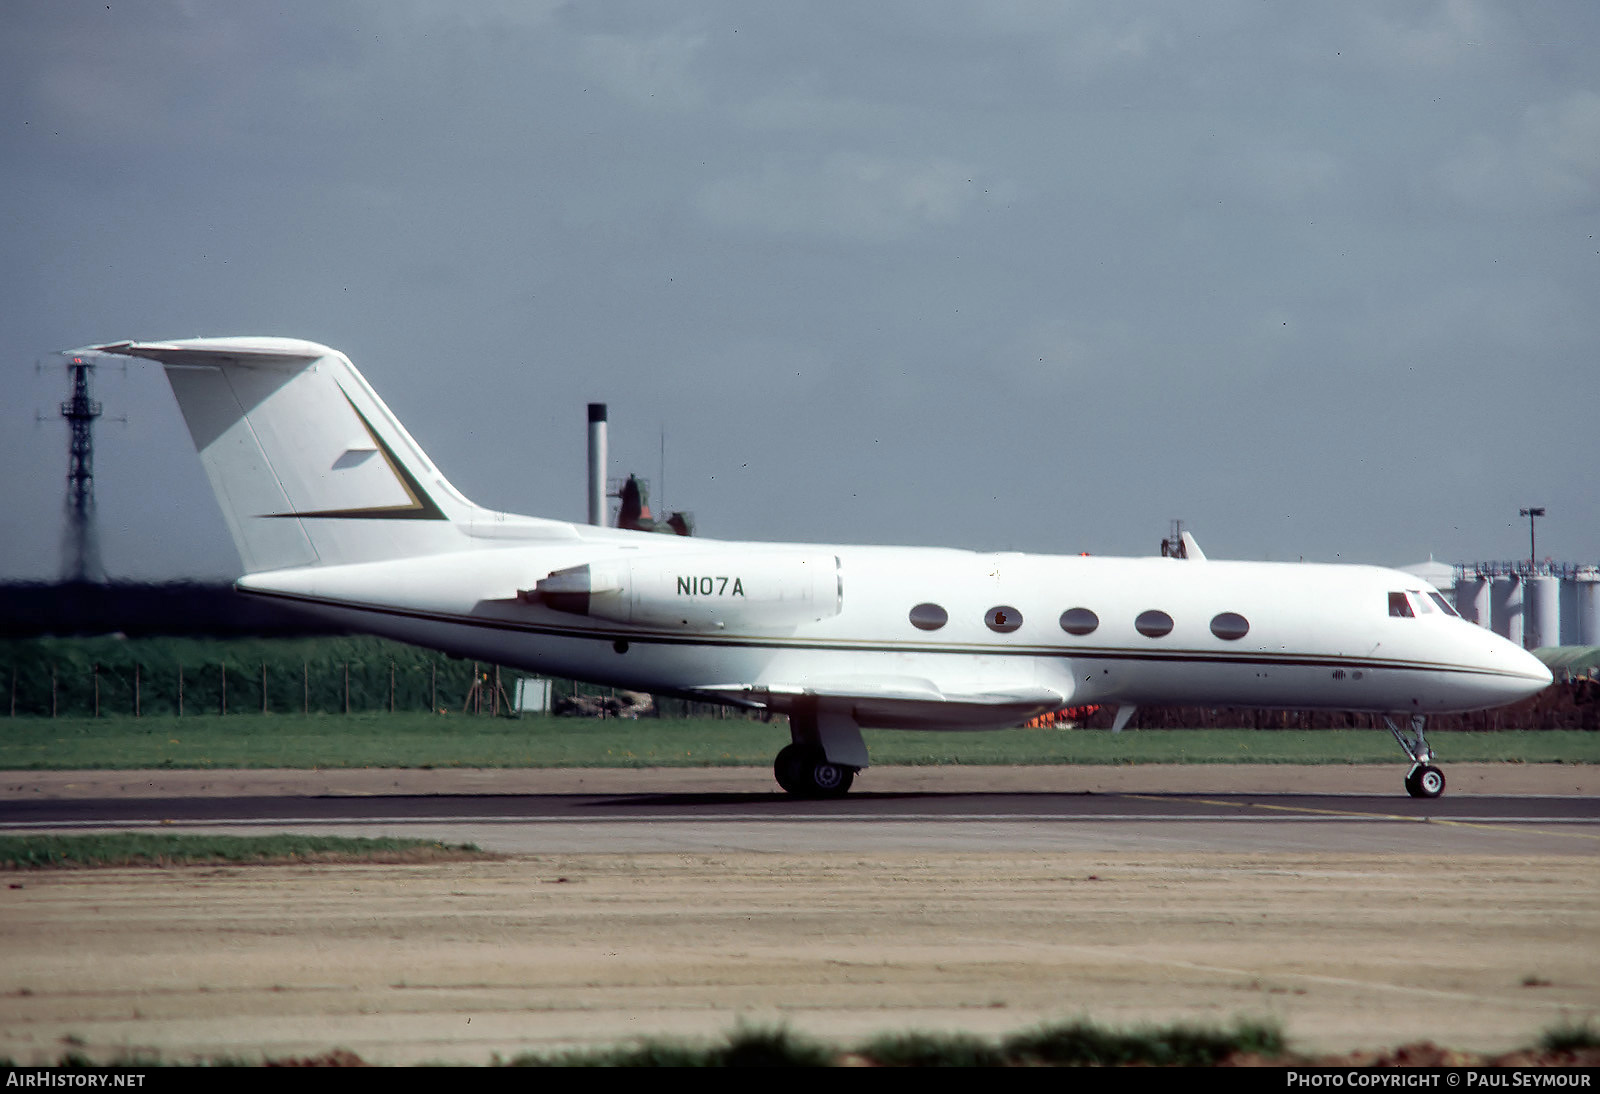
(1464, 1077)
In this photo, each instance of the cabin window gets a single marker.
(929, 617)
(1399, 606)
(1079, 621)
(1153, 624)
(1003, 619)
(1230, 626)
(1444, 605)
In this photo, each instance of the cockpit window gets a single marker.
(1419, 601)
(1444, 605)
(1399, 606)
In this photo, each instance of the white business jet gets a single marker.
(335, 509)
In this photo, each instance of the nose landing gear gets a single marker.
(1423, 780)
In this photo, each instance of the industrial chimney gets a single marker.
(597, 463)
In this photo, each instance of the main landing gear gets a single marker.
(1423, 780)
(804, 771)
(826, 752)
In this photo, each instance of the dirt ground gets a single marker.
(465, 961)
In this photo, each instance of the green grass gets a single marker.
(381, 740)
(453, 740)
(1077, 1044)
(933, 1050)
(37, 852)
(745, 1047)
(1085, 1044)
(1081, 1043)
(1570, 1037)
(1211, 746)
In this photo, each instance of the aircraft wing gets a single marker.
(905, 701)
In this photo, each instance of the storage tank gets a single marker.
(1541, 612)
(1587, 586)
(1472, 599)
(1505, 599)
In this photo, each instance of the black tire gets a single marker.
(1426, 781)
(786, 768)
(804, 771)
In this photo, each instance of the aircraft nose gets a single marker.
(1538, 673)
(1532, 675)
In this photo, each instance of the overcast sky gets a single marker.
(1321, 280)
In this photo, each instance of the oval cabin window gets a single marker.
(1153, 624)
(1230, 626)
(1079, 621)
(1003, 619)
(929, 617)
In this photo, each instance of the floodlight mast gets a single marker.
(80, 410)
(1533, 553)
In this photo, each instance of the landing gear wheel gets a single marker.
(805, 772)
(786, 768)
(829, 780)
(1425, 781)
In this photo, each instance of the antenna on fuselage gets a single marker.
(1173, 546)
(1181, 544)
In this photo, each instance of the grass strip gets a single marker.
(1085, 1044)
(136, 849)
(745, 1047)
(424, 740)
(1081, 1043)
(1570, 1037)
(1077, 1044)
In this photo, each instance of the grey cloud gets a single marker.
(853, 195)
(1550, 163)
(657, 73)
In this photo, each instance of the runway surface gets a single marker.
(947, 809)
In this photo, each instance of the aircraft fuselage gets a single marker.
(1313, 636)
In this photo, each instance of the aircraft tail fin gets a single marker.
(308, 464)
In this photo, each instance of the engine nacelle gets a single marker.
(699, 591)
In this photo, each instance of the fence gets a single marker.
(107, 677)
(231, 687)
